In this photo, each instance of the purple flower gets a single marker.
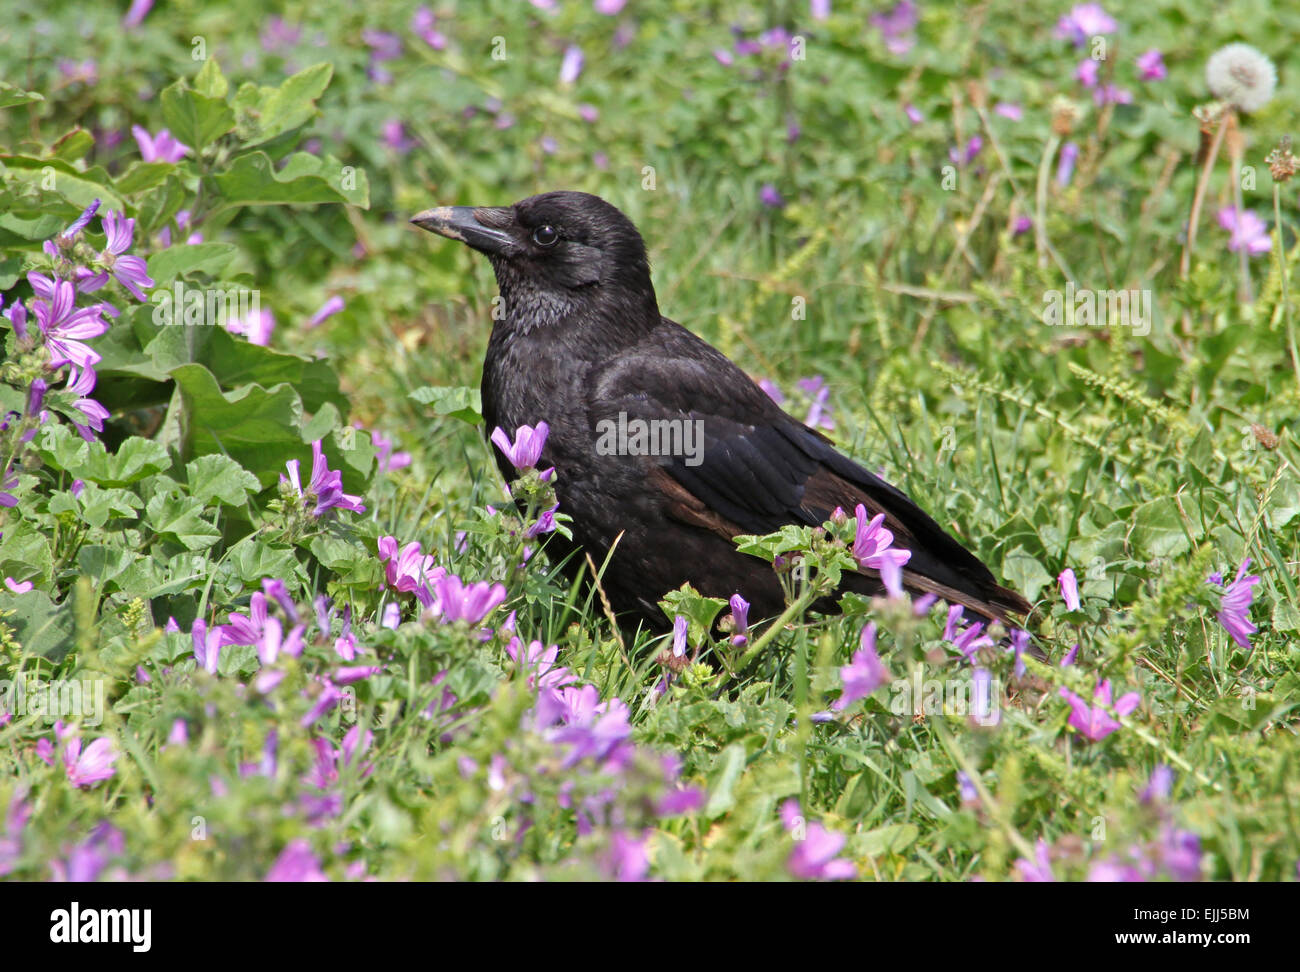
(93, 765)
(866, 673)
(81, 382)
(813, 857)
(411, 570)
(527, 447)
(66, 326)
(545, 523)
(130, 271)
(384, 45)
(740, 620)
(207, 645)
(1040, 868)
(278, 34)
(679, 636)
(1180, 853)
(1088, 72)
(1095, 722)
(159, 148)
(258, 326)
(972, 640)
(873, 543)
(538, 661)
(913, 113)
(609, 7)
(1065, 165)
(1112, 94)
(1159, 786)
(1009, 109)
(136, 13)
(422, 26)
(1071, 657)
(470, 603)
(327, 310)
(296, 863)
(18, 587)
(1151, 66)
(897, 25)
(627, 858)
(1022, 224)
(1069, 589)
(571, 66)
(771, 390)
(326, 487)
(965, 156)
(1247, 230)
(819, 413)
(723, 57)
(1234, 609)
(394, 136)
(819, 9)
(770, 197)
(1085, 20)
(984, 709)
(386, 460)
(81, 221)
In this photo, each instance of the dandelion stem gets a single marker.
(1040, 208)
(1194, 217)
(1283, 270)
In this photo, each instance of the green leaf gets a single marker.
(194, 118)
(459, 402)
(79, 187)
(25, 552)
(134, 459)
(11, 95)
(143, 175)
(40, 626)
(73, 146)
(181, 518)
(181, 259)
(96, 506)
(267, 113)
(727, 767)
(252, 180)
(1024, 572)
(221, 478)
(698, 610)
(256, 427)
(1158, 528)
(210, 81)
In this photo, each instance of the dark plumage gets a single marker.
(580, 340)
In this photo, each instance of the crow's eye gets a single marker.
(546, 236)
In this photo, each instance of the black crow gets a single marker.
(579, 342)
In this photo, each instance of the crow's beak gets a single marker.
(479, 227)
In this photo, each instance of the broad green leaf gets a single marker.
(194, 118)
(256, 427)
(11, 95)
(253, 180)
(221, 478)
(267, 113)
(181, 518)
(180, 259)
(460, 402)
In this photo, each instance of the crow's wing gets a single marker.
(757, 469)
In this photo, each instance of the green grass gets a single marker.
(1128, 458)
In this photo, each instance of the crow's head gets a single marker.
(555, 255)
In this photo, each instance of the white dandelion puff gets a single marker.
(1241, 75)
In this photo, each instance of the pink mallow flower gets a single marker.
(89, 767)
(1247, 230)
(1095, 722)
